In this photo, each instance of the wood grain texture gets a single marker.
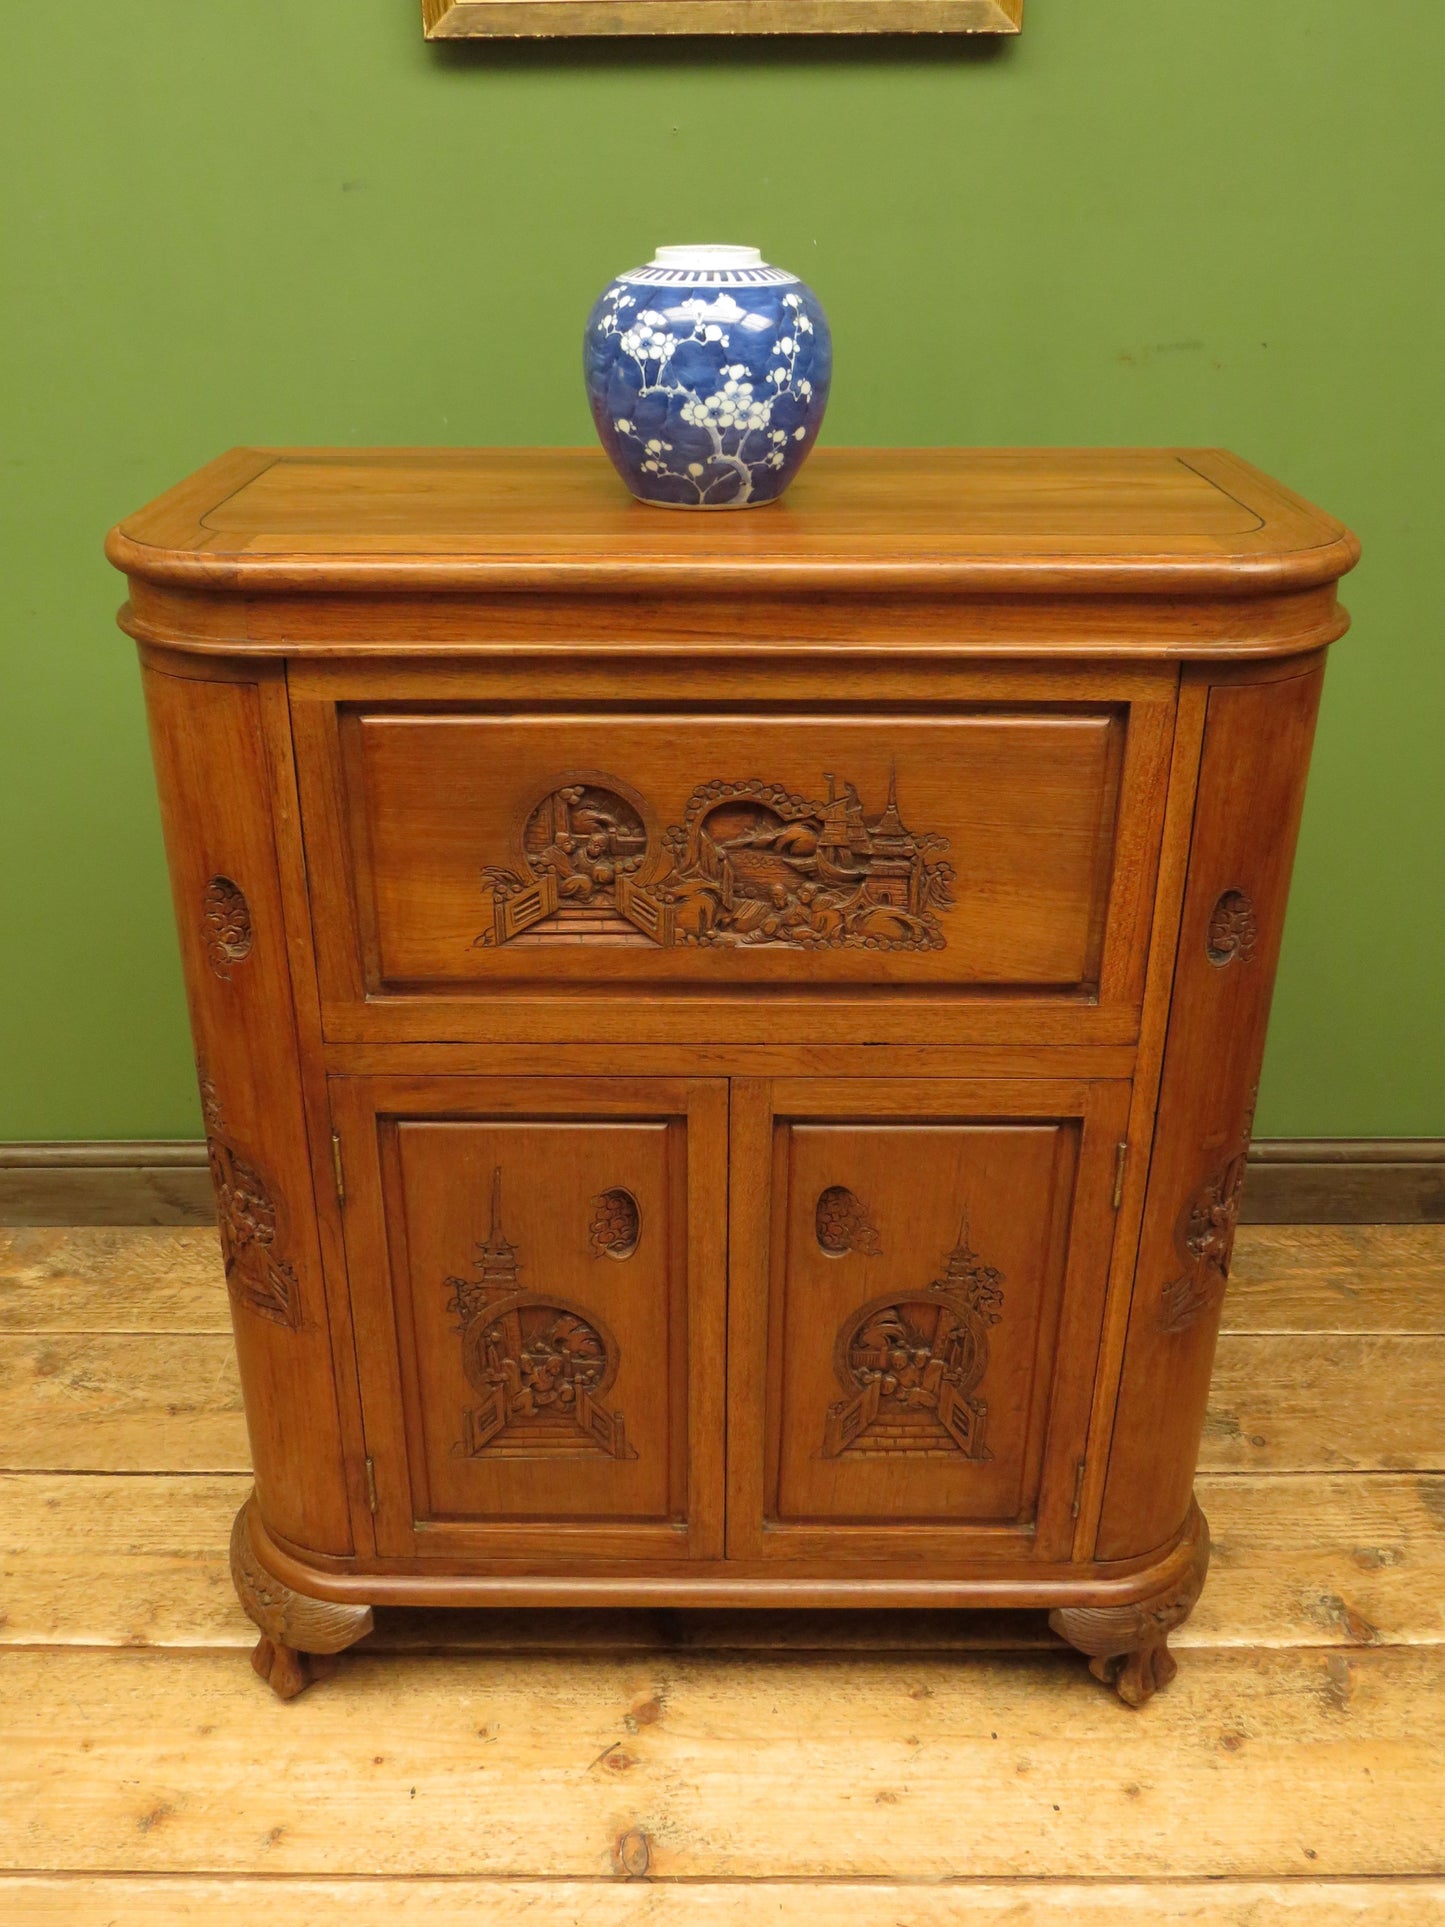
(1346, 1403)
(899, 521)
(524, 19)
(69, 1401)
(94, 1280)
(1337, 1278)
(120, 1402)
(734, 1752)
(92, 1183)
(140, 1560)
(1283, 1190)
(1365, 1181)
(142, 1900)
(978, 733)
(1252, 1766)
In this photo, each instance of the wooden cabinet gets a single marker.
(728, 1043)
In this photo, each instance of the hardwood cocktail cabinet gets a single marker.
(728, 1043)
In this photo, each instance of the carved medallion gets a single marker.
(540, 1364)
(1204, 1239)
(911, 1367)
(615, 1226)
(1233, 929)
(751, 864)
(226, 922)
(841, 1222)
(257, 1274)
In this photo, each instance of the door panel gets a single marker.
(917, 1281)
(526, 1251)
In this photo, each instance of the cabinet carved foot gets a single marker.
(299, 1635)
(1128, 1646)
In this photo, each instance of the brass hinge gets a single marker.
(336, 1167)
(371, 1483)
(1078, 1487)
(1121, 1158)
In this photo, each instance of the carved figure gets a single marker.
(539, 1363)
(912, 1365)
(750, 864)
(1204, 1239)
(257, 1274)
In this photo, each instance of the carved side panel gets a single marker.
(213, 773)
(750, 864)
(1251, 791)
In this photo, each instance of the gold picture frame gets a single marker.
(541, 19)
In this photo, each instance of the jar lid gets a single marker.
(705, 255)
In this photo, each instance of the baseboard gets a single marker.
(156, 1181)
(1345, 1180)
(104, 1181)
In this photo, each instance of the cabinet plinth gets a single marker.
(728, 1044)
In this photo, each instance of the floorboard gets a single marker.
(852, 1770)
(182, 1901)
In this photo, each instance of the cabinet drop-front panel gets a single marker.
(979, 850)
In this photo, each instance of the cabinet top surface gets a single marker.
(929, 520)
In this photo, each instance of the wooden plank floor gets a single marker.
(845, 1771)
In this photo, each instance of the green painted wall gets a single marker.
(292, 221)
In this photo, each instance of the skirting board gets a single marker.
(1290, 1181)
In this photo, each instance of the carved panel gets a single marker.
(615, 1227)
(842, 1224)
(1233, 929)
(911, 1366)
(539, 1363)
(1204, 1239)
(258, 1275)
(751, 864)
(226, 923)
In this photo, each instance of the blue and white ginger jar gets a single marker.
(708, 374)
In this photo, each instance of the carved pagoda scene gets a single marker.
(257, 1275)
(538, 1363)
(1204, 1239)
(751, 863)
(912, 1365)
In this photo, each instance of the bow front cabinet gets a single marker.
(728, 1042)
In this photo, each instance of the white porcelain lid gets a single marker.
(710, 264)
(705, 255)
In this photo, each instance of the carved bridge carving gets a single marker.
(539, 1363)
(751, 864)
(912, 1364)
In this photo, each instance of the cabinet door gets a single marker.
(918, 1276)
(537, 1271)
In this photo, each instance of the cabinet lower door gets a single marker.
(536, 1268)
(918, 1271)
